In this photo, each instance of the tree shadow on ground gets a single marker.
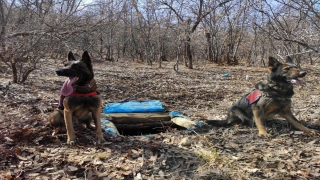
(34, 153)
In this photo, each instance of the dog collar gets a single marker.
(89, 84)
(94, 93)
(89, 87)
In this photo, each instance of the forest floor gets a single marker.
(29, 151)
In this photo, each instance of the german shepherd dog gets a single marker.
(56, 120)
(81, 102)
(271, 97)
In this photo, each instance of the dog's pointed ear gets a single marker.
(86, 58)
(273, 62)
(71, 57)
(289, 60)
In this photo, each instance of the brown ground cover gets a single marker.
(28, 151)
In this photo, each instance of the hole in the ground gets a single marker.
(146, 131)
(138, 132)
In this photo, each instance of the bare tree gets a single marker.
(191, 24)
(235, 31)
(293, 26)
(31, 29)
(21, 35)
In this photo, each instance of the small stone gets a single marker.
(71, 170)
(185, 142)
(247, 77)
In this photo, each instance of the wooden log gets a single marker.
(139, 118)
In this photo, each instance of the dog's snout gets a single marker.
(302, 74)
(59, 72)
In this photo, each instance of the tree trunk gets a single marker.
(209, 46)
(14, 72)
(188, 55)
(228, 53)
(176, 65)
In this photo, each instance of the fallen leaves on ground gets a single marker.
(28, 151)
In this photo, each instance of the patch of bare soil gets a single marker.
(28, 151)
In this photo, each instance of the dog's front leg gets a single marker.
(287, 114)
(69, 126)
(96, 115)
(257, 115)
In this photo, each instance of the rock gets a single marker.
(184, 122)
(71, 170)
(185, 142)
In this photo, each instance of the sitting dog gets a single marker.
(271, 97)
(82, 100)
(56, 120)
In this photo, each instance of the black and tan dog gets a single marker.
(271, 97)
(56, 120)
(84, 99)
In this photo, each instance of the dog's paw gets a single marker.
(312, 132)
(264, 134)
(71, 143)
(101, 140)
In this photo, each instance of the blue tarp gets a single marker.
(134, 107)
(107, 128)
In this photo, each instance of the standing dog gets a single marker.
(271, 97)
(84, 98)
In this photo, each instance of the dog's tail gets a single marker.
(235, 116)
(232, 119)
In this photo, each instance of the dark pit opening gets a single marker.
(147, 131)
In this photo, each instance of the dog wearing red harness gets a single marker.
(270, 97)
(79, 97)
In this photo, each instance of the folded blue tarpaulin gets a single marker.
(134, 107)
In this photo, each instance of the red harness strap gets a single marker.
(254, 96)
(94, 93)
